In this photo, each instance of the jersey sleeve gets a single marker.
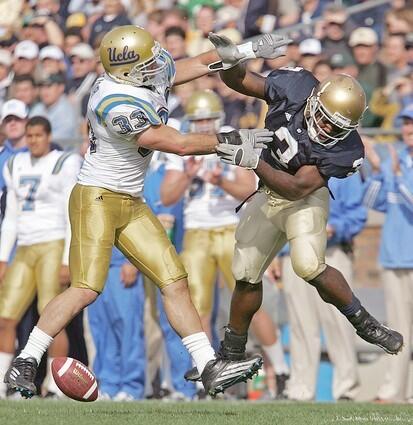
(126, 115)
(291, 85)
(343, 161)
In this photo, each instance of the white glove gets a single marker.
(268, 46)
(241, 155)
(244, 154)
(257, 138)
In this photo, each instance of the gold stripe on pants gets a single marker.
(101, 218)
(204, 252)
(34, 270)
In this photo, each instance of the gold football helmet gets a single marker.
(334, 109)
(130, 55)
(204, 111)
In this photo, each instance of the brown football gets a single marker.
(74, 379)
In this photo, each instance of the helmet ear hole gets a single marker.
(126, 74)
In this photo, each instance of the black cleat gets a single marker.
(220, 374)
(20, 376)
(369, 329)
(192, 375)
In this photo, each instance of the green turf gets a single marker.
(38, 412)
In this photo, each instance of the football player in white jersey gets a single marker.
(127, 112)
(38, 183)
(212, 191)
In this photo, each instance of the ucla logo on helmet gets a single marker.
(122, 58)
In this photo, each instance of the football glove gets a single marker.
(267, 46)
(242, 155)
(256, 138)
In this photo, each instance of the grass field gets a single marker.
(37, 412)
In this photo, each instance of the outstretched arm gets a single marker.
(191, 68)
(166, 139)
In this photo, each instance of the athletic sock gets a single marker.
(37, 345)
(200, 349)
(275, 354)
(5, 361)
(353, 308)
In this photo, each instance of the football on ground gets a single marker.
(74, 379)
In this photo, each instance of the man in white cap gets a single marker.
(52, 60)
(25, 57)
(83, 61)
(310, 51)
(13, 120)
(372, 73)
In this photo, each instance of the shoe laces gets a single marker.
(27, 368)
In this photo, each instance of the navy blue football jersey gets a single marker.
(286, 92)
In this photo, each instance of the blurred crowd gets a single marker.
(48, 63)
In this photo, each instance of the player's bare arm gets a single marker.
(292, 187)
(235, 75)
(167, 139)
(244, 81)
(174, 185)
(191, 68)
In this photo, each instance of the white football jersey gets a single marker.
(117, 113)
(206, 205)
(38, 191)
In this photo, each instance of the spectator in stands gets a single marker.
(25, 58)
(204, 23)
(113, 16)
(322, 69)
(83, 75)
(390, 190)
(310, 51)
(116, 323)
(6, 76)
(44, 30)
(396, 57)
(399, 21)
(13, 119)
(334, 34)
(371, 73)
(41, 234)
(52, 60)
(72, 37)
(58, 109)
(25, 89)
(308, 313)
(265, 16)
(175, 18)
(344, 64)
(175, 42)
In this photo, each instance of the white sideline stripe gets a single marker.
(65, 367)
(90, 390)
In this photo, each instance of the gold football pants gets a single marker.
(204, 252)
(269, 221)
(99, 219)
(34, 270)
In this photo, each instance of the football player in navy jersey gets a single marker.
(315, 138)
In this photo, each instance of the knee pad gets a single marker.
(306, 263)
